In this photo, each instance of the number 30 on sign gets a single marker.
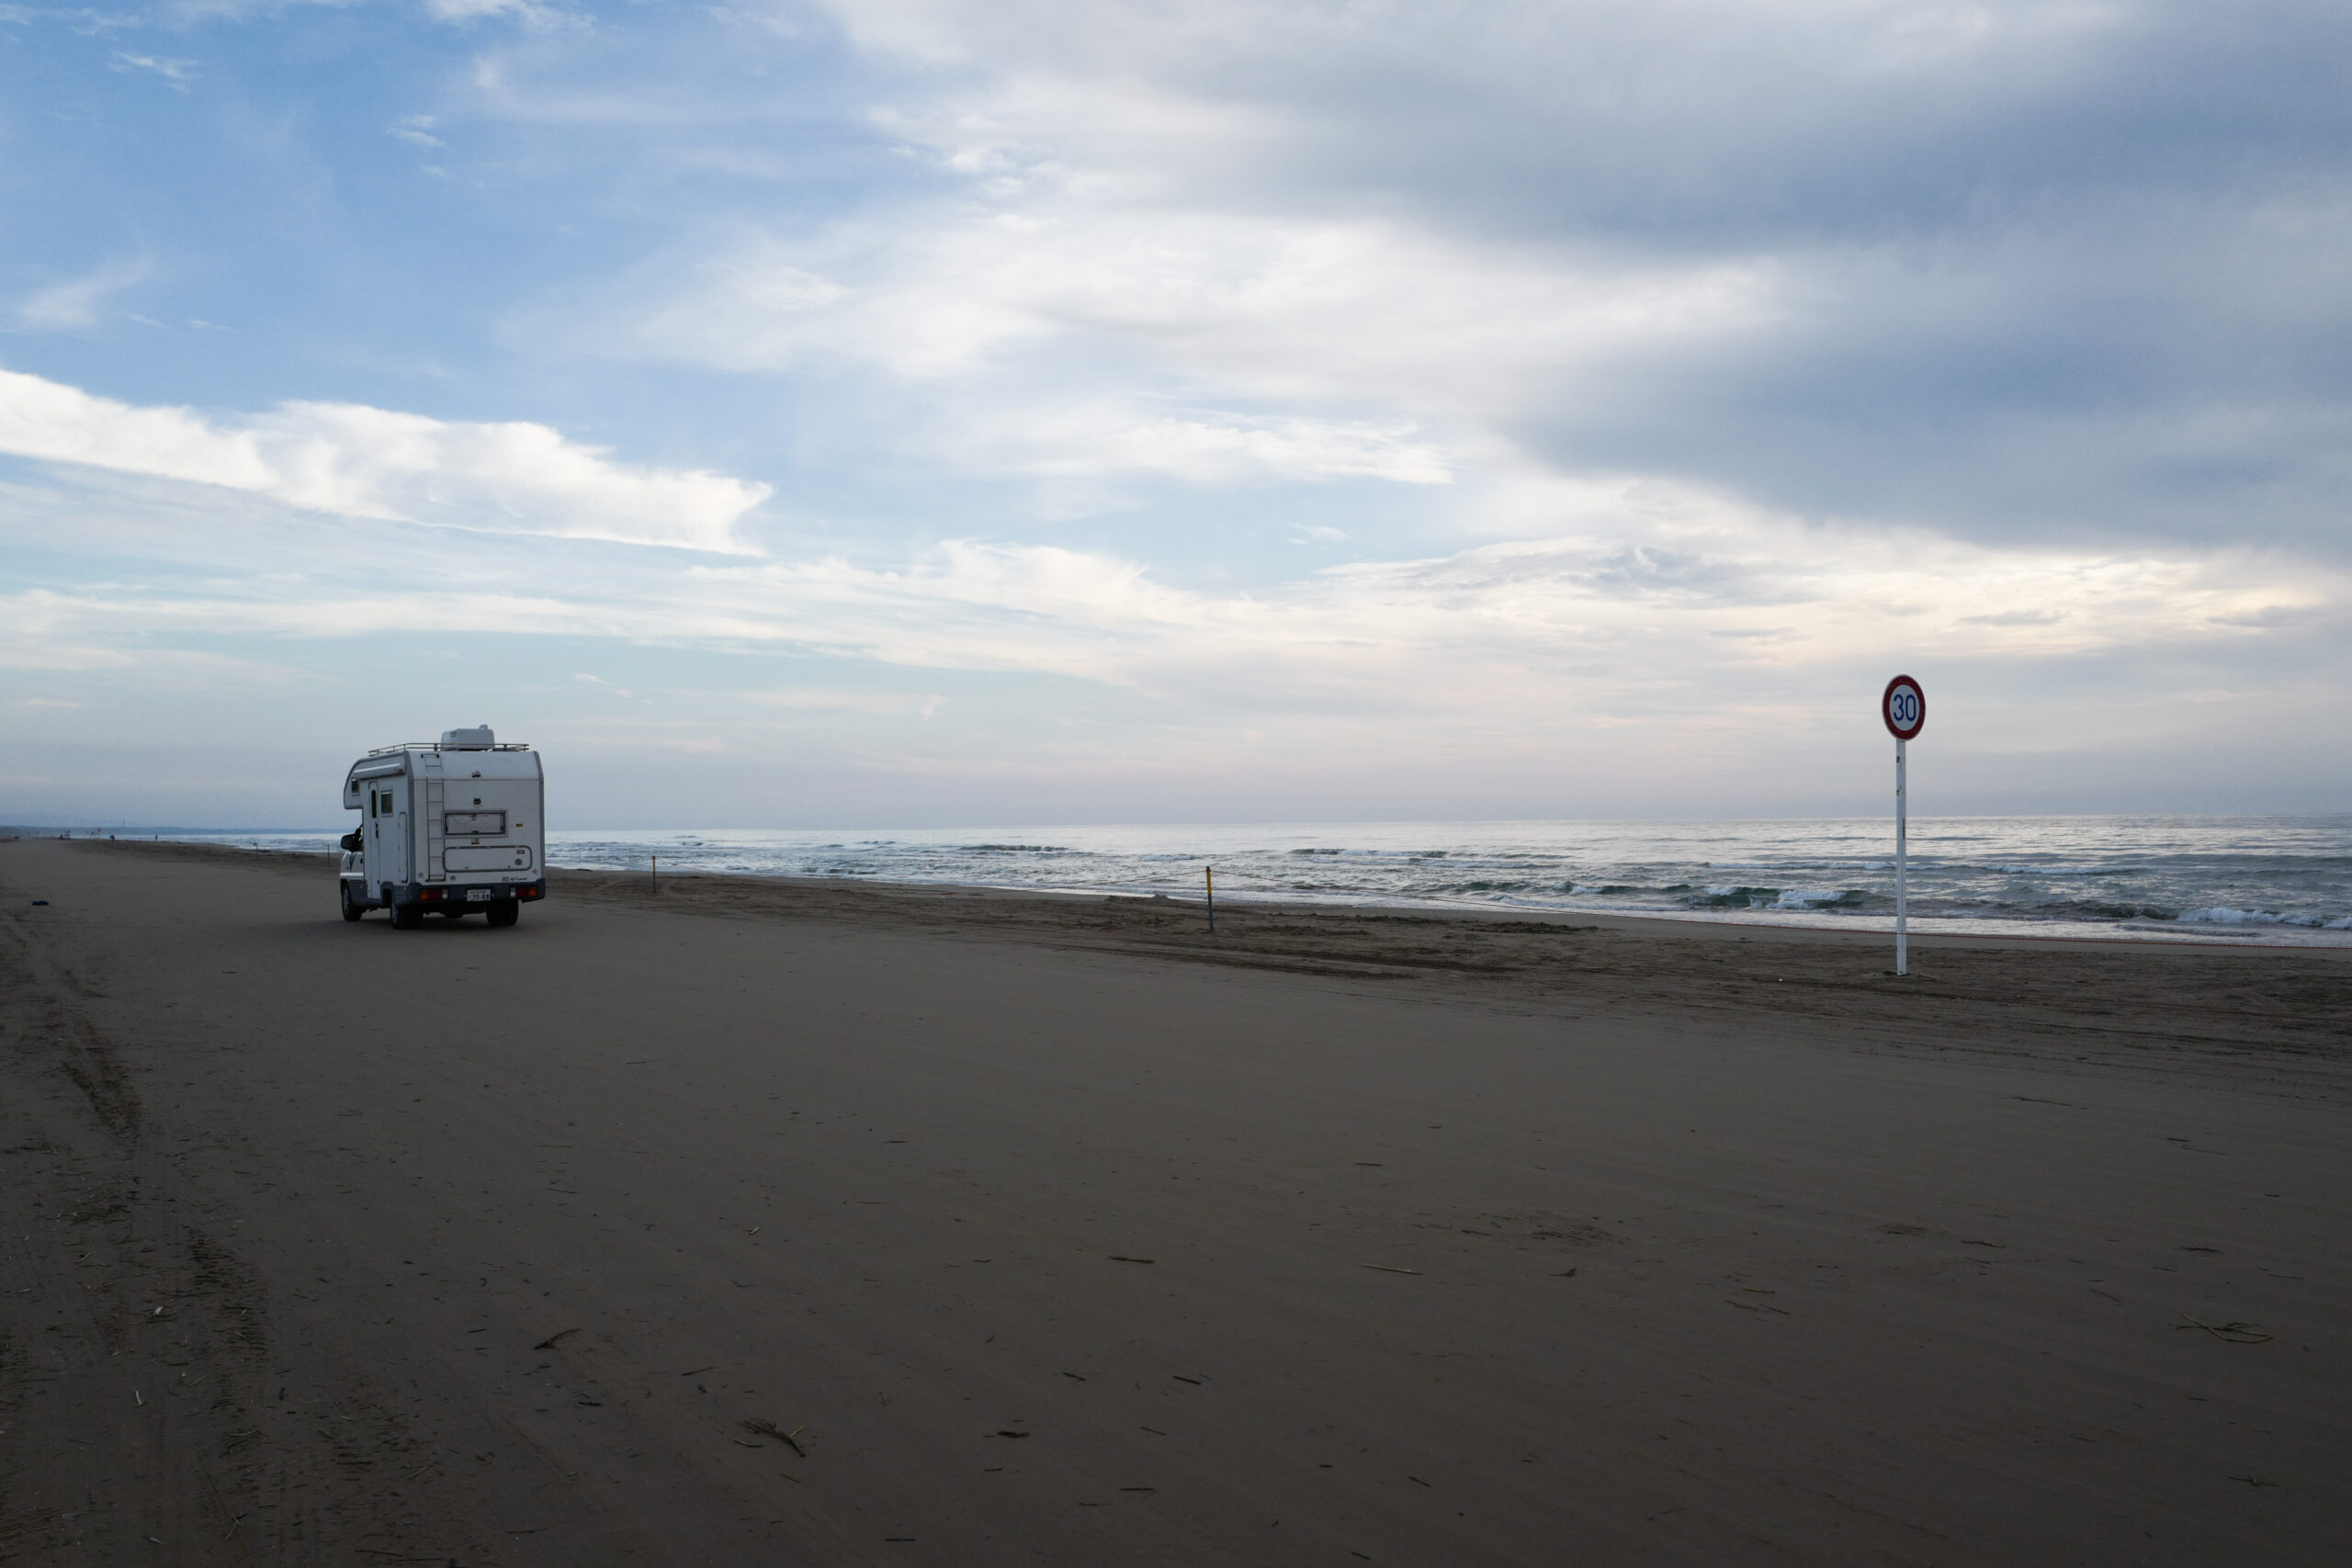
(1905, 708)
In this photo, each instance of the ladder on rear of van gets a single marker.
(435, 819)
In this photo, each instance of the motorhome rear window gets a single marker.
(475, 823)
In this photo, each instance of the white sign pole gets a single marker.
(1902, 858)
(1904, 707)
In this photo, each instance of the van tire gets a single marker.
(504, 913)
(407, 917)
(351, 911)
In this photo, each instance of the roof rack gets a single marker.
(435, 746)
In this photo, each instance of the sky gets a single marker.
(921, 413)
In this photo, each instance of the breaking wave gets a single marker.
(2222, 915)
(2286, 879)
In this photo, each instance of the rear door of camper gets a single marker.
(491, 830)
(387, 832)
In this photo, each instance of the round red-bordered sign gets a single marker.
(1905, 708)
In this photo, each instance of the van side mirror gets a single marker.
(351, 843)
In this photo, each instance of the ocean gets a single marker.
(2240, 879)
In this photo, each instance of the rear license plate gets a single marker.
(478, 894)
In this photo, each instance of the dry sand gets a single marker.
(1057, 1231)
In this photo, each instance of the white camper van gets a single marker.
(446, 829)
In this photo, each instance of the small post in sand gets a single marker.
(657, 877)
(1208, 877)
(1904, 707)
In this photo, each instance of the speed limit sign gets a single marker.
(1905, 708)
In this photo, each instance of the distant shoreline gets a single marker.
(1693, 925)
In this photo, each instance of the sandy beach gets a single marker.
(775, 1222)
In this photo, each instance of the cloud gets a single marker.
(831, 699)
(416, 129)
(77, 303)
(1206, 446)
(44, 630)
(1996, 269)
(1596, 578)
(1103, 338)
(1451, 381)
(1564, 625)
(1268, 306)
(1721, 601)
(1656, 639)
(1683, 120)
(192, 13)
(177, 74)
(511, 477)
(2017, 618)
(531, 13)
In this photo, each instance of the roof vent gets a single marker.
(478, 738)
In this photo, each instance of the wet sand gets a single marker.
(787, 1222)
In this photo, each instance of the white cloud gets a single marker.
(468, 10)
(1653, 629)
(77, 303)
(1267, 307)
(1854, 255)
(511, 477)
(1680, 583)
(832, 699)
(177, 74)
(1078, 336)
(1204, 446)
(416, 129)
(1663, 366)
(532, 14)
(1562, 627)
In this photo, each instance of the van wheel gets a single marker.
(504, 913)
(351, 911)
(407, 917)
